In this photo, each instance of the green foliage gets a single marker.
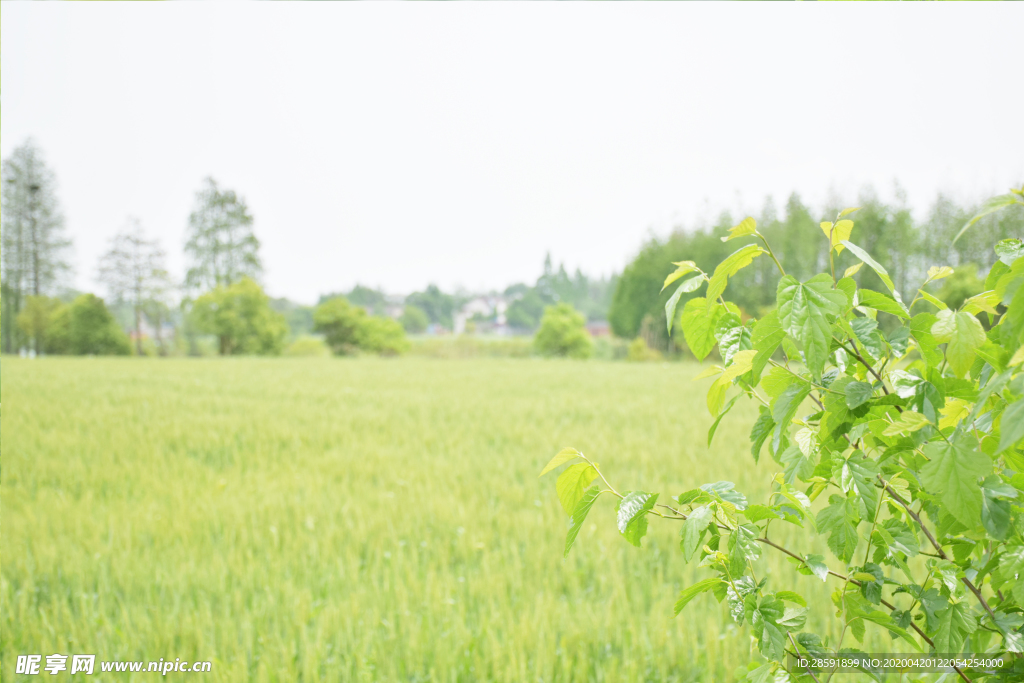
(241, 318)
(309, 347)
(414, 320)
(638, 351)
(37, 320)
(86, 327)
(563, 333)
(348, 329)
(439, 307)
(905, 424)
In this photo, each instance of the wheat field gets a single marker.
(361, 519)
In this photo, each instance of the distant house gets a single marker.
(487, 312)
(599, 328)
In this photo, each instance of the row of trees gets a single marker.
(905, 247)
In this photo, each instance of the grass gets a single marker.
(359, 519)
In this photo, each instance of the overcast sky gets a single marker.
(400, 144)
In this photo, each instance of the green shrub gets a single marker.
(241, 318)
(308, 346)
(348, 329)
(87, 327)
(381, 335)
(414, 320)
(911, 470)
(639, 351)
(563, 333)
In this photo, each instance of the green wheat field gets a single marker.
(361, 519)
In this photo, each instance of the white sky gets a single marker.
(401, 144)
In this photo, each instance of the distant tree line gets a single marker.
(221, 306)
(904, 246)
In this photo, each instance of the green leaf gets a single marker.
(921, 330)
(761, 430)
(632, 517)
(797, 465)
(685, 267)
(1011, 566)
(934, 301)
(955, 624)
(698, 323)
(718, 420)
(579, 515)
(743, 548)
(741, 363)
(803, 312)
(767, 336)
(837, 232)
(840, 520)
(785, 408)
(693, 528)
(790, 596)
(748, 226)
(696, 589)
(860, 473)
(907, 423)
(572, 483)
(952, 473)
(899, 537)
(881, 302)
(1009, 250)
(995, 512)
(963, 334)
(864, 256)
(991, 206)
(1012, 425)
(687, 286)
(732, 264)
(846, 212)
(726, 491)
(563, 456)
(771, 637)
(757, 513)
(816, 563)
(857, 394)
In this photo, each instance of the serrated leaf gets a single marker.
(852, 270)
(693, 528)
(632, 516)
(760, 432)
(907, 423)
(839, 520)
(696, 589)
(579, 515)
(952, 473)
(955, 624)
(882, 302)
(986, 301)
(790, 596)
(934, 301)
(847, 212)
(689, 285)
(1012, 425)
(731, 265)
(572, 483)
(741, 363)
(804, 310)
(963, 334)
(748, 226)
(797, 465)
(1009, 250)
(685, 267)
(726, 491)
(765, 339)
(857, 394)
(771, 636)
(864, 256)
(816, 563)
(837, 232)
(563, 456)
(698, 323)
(939, 272)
